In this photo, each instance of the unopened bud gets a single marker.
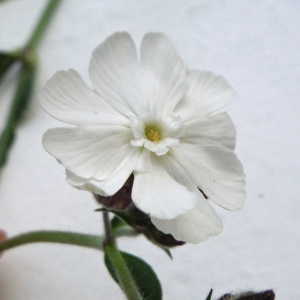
(264, 295)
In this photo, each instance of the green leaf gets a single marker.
(6, 60)
(143, 276)
(121, 214)
(102, 209)
(209, 295)
(116, 223)
(167, 250)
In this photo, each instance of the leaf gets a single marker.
(167, 250)
(117, 222)
(209, 295)
(143, 276)
(102, 209)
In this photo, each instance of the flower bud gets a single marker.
(265, 295)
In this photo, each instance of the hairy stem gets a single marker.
(62, 237)
(125, 278)
(111, 250)
(107, 229)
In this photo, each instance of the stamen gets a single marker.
(153, 136)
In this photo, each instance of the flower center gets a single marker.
(156, 134)
(153, 136)
(153, 132)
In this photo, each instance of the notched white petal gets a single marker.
(229, 194)
(90, 152)
(193, 227)
(67, 98)
(159, 195)
(215, 129)
(207, 94)
(164, 72)
(109, 186)
(215, 170)
(116, 74)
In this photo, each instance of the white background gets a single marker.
(255, 45)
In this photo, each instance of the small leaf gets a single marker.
(143, 276)
(123, 214)
(117, 222)
(102, 209)
(167, 250)
(209, 295)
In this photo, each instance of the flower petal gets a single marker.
(216, 171)
(215, 129)
(207, 93)
(193, 227)
(117, 75)
(164, 72)
(159, 194)
(228, 194)
(90, 152)
(67, 98)
(112, 183)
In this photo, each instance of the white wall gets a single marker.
(255, 45)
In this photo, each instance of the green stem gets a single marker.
(125, 278)
(62, 237)
(27, 57)
(107, 228)
(71, 238)
(19, 104)
(42, 23)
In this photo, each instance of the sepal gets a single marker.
(141, 222)
(120, 200)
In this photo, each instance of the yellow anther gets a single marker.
(153, 136)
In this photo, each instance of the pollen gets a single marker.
(153, 136)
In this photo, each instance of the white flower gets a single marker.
(153, 117)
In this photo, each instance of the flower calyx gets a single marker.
(121, 205)
(120, 200)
